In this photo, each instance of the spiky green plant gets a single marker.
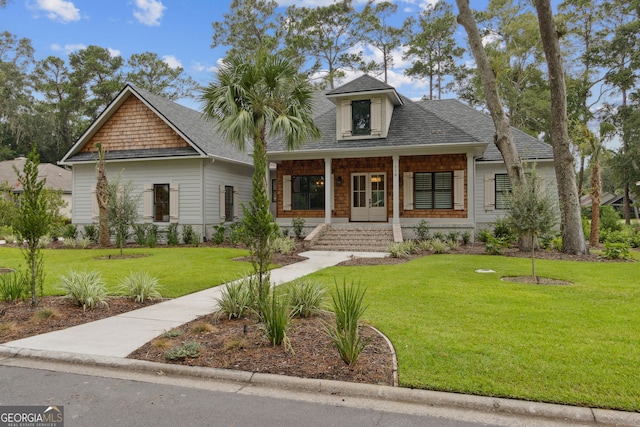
(86, 289)
(235, 299)
(348, 306)
(13, 286)
(140, 286)
(306, 297)
(276, 316)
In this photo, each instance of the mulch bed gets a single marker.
(240, 344)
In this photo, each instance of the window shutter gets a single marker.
(408, 190)
(236, 205)
(174, 202)
(458, 190)
(489, 192)
(95, 209)
(286, 192)
(148, 202)
(376, 117)
(346, 118)
(221, 202)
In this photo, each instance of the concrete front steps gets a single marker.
(358, 237)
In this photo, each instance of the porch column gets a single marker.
(396, 189)
(328, 190)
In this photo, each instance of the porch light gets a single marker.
(320, 182)
(339, 181)
(376, 179)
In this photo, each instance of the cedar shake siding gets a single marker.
(134, 126)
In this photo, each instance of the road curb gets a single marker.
(355, 390)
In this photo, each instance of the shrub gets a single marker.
(422, 230)
(179, 352)
(172, 235)
(424, 245)
(187, 234)
(483, 235)
(236, 234)
(397, 250)
(609, 219)
(616, 250)
(348, 307)
(70, 231)
(438, 235)
(218, 234)
(13, 286)
(83, 243)
(439, 247)
(6, 231)
(140, 286)
(306, 297)
(91, 233)
(466, 237)
(140, 234)
(195, 240)
(85, 289)
(502, 230)
(236, 298)
(284, 245)
(452, 245)
(298, 227)
(556, 243)
(410, 246)
(172, 333)
(453, 235)
(275, 316)
(70, 243)
(495, 246)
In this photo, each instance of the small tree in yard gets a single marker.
(102, 196)
(33, 219)
(532, 211)
(123, 208)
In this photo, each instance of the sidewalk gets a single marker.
(120, 335)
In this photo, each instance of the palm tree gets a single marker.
(597, 149)
(255, 98)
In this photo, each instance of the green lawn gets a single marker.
(461, 331)
(180, 271)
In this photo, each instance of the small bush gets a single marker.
(439, 247)
(140, 287)
(423, 230)
(283, 245)
(424, 245)
(44, 242)
(453, 236)
(410, 246)
(13, 286)
(172, 235)
(152, 236)
(556, 243)
(236, 233)
(483, 235)
(140, 234)
(172, 333)
(452, 245)
(466, 238)
(44, 313)
(70, 231)
(70, 243)
(190, 349)
(306, 297)
(397, 250)
(84, 243)
(218, 234)
(6, 231)
(348, 307)
(609, 219)
(616, 250)
(236, 298)
(502, 230)
(195, 240)
(495, 246)
(187, 234)
(298, 227)
(91, 233)
(85, 289)
(202, 327)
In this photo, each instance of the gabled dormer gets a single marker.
(364, 108)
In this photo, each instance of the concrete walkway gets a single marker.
(120, 335)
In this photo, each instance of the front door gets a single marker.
(369, 196)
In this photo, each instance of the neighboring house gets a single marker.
(174, 157)
(385, 158)
(57, 178)
(610, 199)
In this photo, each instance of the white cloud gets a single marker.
(149, 12)
(113, 52)
(68, 48)
(59, 10)
(172, 61)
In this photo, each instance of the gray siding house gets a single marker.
(174, 157)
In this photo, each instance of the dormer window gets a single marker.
(361, 117)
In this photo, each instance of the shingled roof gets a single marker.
(57, 178)
(192, 125)
(481, 126)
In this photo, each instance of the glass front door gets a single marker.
(369, 196)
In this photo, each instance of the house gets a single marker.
(383, 158)
(183, 170)
(57, 178)
(610, 199)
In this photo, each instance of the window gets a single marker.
(228, 203)
(433, 190)
(503, 188)
(361, 117)
(307, 192)
(273, 190)
(161, 202)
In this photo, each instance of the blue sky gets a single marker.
(179, 31)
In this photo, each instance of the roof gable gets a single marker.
(56, 177)
(365, 84)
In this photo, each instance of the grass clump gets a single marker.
(85, 289)
(6, 327)
(190, 349)
(13, 286)
(276, 316)
(202, 327)
(284, 245)
(348, 307)
(306, 297)
(44, 314)
(235, 344)
(140, 287)
(172, 333)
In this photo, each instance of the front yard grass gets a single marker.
(461, 331)
(179, 270)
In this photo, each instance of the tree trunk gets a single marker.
(570, 220)
(102, 195)
(503, 137)
(596, 198)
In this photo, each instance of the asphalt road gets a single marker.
(97, 397)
